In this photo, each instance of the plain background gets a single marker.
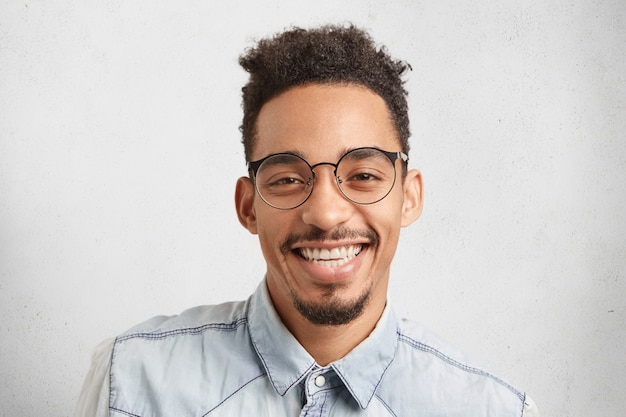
(119, 152)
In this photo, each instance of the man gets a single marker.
(325, 133)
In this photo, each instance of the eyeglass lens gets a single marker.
(364, 176)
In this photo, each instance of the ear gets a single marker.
(244, 202)
(413, 195)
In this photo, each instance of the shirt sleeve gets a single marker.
(94, 396)
(530, 409)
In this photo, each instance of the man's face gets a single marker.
(321, 123)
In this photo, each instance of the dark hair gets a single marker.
(326, 55)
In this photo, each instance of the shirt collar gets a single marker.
(287, 362)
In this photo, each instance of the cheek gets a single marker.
(264, 233)
(272, 227)
(386, 220)
(387, 214)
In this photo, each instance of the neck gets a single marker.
(328, 343)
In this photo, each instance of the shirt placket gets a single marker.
(321, 388)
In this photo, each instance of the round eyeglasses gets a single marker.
(363, 175)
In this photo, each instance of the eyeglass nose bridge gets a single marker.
(311, 183)
(314, 176)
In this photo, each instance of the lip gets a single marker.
(333, 258)
(326, 272)
(329, 244)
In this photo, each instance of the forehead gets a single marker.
(321, 122)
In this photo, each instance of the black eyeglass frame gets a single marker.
(253, 168)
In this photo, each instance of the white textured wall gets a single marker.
(119, 151)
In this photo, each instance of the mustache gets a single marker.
(319, 235)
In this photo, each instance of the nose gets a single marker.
(326, 207)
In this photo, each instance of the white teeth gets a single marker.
(331, 257)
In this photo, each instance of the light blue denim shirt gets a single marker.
(238, 359)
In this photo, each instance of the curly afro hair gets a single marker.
(326, 55)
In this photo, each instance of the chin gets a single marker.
(332, 310)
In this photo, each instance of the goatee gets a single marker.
(331, 311)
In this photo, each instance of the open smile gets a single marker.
(330, 257)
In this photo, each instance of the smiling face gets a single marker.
(328, 259)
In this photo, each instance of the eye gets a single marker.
(286, 181)
(364, 176)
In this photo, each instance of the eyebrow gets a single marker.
(362, 154)
(281, 158)
(290, 152)
(304, 156)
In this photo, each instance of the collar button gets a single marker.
(320, 381)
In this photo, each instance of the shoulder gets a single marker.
(420, 345)
(162, 346)
(416, 339)
(436, 374)
(226, 316)
(183, 357)
(204, 333)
